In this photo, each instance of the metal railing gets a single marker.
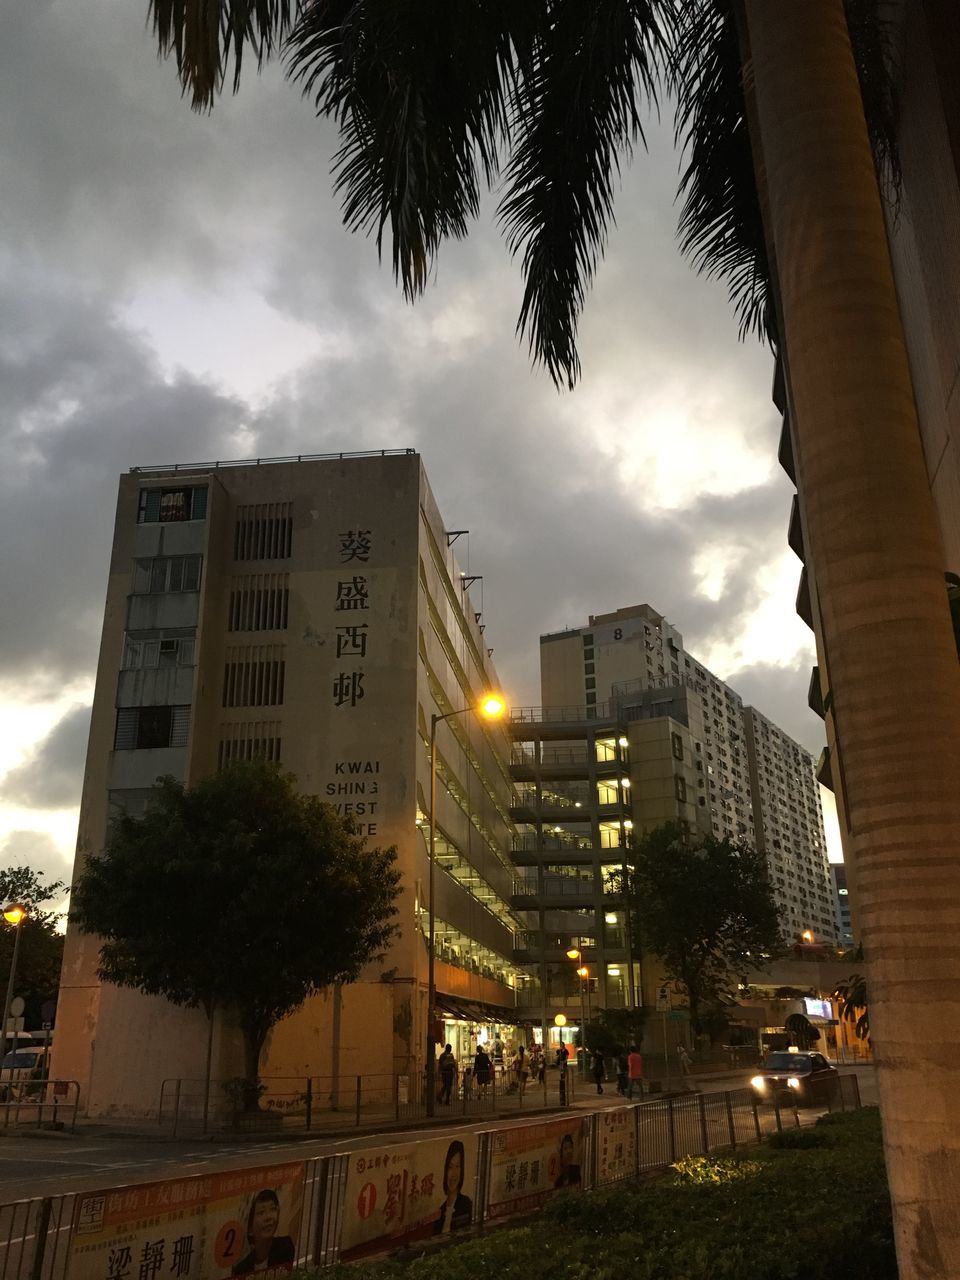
(323, 1104)
(263, 462)
(36, 1234)
(39, 1104)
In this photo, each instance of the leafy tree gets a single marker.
(802, 1031)
(852, 996)
(237, 894)
(612, 1029)
(41, 943)
(704, 906)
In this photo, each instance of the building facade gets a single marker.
(841, 895)
(750, 780)
(310, 611)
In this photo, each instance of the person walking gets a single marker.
(447, 1066)
(684, 1059)
(521, 1069)
(482, 1069)
(623, 1071)
(599, 1070)
(634, 1072)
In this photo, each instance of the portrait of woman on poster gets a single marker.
(569, 1175)
(457, 1209)
(267, 1250)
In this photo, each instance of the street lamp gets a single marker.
(14, 914)
(491, 706)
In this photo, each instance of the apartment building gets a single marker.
(311, 611)
(841, 893)
(751, 780)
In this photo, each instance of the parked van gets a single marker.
(23, 1069)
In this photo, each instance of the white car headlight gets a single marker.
(793, 1083)
(758, 1082)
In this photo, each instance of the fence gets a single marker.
(605, 1147)
(47, 1104)
(323, 1104)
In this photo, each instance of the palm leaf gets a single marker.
(721, 226)
(204, 33)
(575, 111)
(419, 90)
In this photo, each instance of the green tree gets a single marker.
(802, 1031)
(705, 908)
(613, 1029)
(852, 997)
(239, 895)
(41, 942)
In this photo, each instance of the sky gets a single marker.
(179, 287)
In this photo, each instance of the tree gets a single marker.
(705, 908)
(237, 894)
(802, 1031)
(786, 110)
(852, 996)
(41, 943)
(613, 1029)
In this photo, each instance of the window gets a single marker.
(588, 668)
(253, 684)
(680, 789)
(263, 531)
(591, 682)
(587, 640)
(149, 728)
(677, 744)
(166, 573)
(166, 505)
(145, 649)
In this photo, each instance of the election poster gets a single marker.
(208, 1227)
(529, 1163)
(408, 1192)
(616, 1144)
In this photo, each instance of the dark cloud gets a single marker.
(37, 850)
(53, 775)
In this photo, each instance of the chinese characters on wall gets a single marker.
(352, 601)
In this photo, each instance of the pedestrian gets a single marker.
(538, 1065)
(599, 1070)
(684, 1059)
(623, 1071)
(562, 1055)
(521, 1069)
(482, 1068)
(448, 1073)
(634, 1072)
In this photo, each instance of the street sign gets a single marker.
(664, 999)
(17, 1006)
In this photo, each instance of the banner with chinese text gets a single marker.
(408, 1192)
(616, 1144)
(529, 1163)
(232, 1223)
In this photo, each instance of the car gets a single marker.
(806, 1079)
(23, 1070)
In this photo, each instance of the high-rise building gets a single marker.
(310, 611)
(841, 894)
(753, 782)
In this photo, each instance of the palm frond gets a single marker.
(721, 225)
(418, 88)
(873, 36)
(575, 111)
(205, 33)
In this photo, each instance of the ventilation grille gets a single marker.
(248, 739)
(253, 677)
(263, 531)
(259, 602)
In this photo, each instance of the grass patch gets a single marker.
(803, 1209)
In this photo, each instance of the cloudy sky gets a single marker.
(178, 288)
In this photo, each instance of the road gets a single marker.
(42, 1164)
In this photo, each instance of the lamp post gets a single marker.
(13, 914)
(491, 707)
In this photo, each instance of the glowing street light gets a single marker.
(491, 706)
(14, 914)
